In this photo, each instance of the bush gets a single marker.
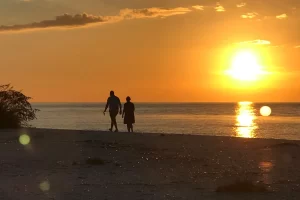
(15, 110)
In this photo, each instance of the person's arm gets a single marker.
(120, 107)
(107, 103)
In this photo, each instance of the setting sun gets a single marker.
(245, 66)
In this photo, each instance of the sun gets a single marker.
(245, 66)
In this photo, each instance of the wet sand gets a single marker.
(143, 166)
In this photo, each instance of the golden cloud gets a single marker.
(256, 42)
(249, 15)
(282, 16)
(240, 5)
(219, 8)
(197, 7)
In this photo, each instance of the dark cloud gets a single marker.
(59, 21)
(68, 20)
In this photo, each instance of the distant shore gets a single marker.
(72, 164)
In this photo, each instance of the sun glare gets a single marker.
(245, 120)
(245, 66)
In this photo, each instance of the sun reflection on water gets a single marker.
(245, 120)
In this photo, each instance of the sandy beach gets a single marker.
(58, 164)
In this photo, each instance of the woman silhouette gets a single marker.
(128, 114)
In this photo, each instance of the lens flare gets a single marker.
(45, 186)
(24, 139)
(265, 111)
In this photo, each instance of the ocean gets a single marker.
(218, 119)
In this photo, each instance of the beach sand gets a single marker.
(143, 166)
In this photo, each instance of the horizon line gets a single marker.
(157, 102)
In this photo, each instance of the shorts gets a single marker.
(113, 114)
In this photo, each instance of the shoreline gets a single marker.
(79, 164)
(54, 130)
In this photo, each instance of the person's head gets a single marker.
(128, 99)
(112, 93)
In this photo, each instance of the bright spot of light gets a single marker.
(24, 139)
(245, 66)
(265, 111)
(266, 166)
(245, 120)
(45, 186)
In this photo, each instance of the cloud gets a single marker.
(219, 8)
(297, 47)
(240, 5)
(249, 15)
(282, 16)
(79, 20)
(197, 7)
(256, 42)
(60, 21)
(151, 12)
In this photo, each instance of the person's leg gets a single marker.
(128, 127)
(113, 116)
(111, 126)
(111, 122)
(114, 124)
(131, 127)
(115, 121)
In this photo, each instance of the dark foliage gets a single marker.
(15, 109)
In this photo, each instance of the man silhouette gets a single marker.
(114, 103)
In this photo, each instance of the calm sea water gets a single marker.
(225, 119)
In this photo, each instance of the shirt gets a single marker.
(113, 103)
(129, 108)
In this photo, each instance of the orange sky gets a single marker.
(150, 51)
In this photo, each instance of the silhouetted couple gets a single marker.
(115, 107)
